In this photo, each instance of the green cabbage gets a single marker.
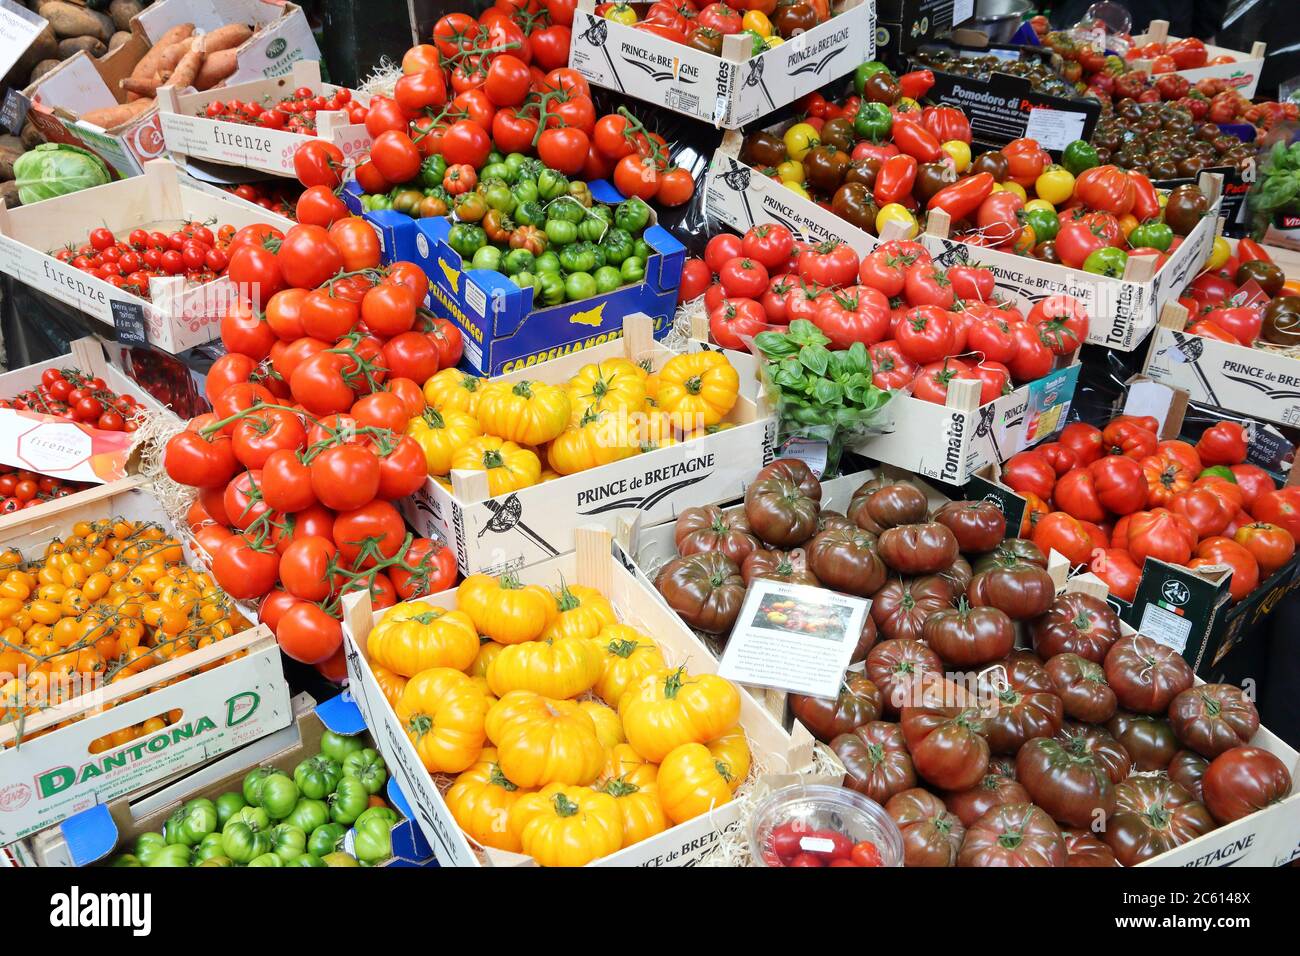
(56, 169)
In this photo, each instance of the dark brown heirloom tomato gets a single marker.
(1145, 674)
(1265, 274)
(994, 789)
(1009, 552)
(897, 504)
(833, 519)
(1149, 740)
(845, 560)
(1082, 687)
(712, 529)
(876, 760)
(958, 574)
(838, 133)
(1099, 744)
(1015, 834)
(1282, 321)
(824, 167)
(900, 667)
(1188, 769)
(705, 39)
(931, 835)
(930, 178)
(781, 504)
(866, 640)
(881, 88)
(1186, 207)
(918, 548)
(979, 526)
(1023, 591)
(994, 163)
(705, 589)
(1242, 780)
(1153, 815)
(1076, 624)
(1071, 786)
(902, 605)
(1026, 706)
(1085, 850)
(862, 171)
(854, 204)
(859, 702)
(763, 149)
(967, 636)
(857, 509)
(789, 567)
(1213, 718)
(947, 748)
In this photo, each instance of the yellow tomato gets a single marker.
(542, 740)
(504, 609)
(732, 750)
(774, 41)
(800, 139)
(1040, 204)
(439, 434)
(390, 684)
(791, 171)
(600, 438)
(1127, 223)
(609, 729)
(893, 212)
(1055, 184)
(692, 782)
(625, 655)
(487, 652)
(622, 761)
(453, 390)
(905, 104)
(643, 814)
(581, 611)
(796, 188)
(666, 709)
(1014, 187)
(443, 713)
(606, 386)
(567, 826)
(960, 153)
(698, 389)
(560, 668)
(417, 636)
(508, 466)
(757, 21)
(480, 801)
(526, 412)
(1220, 252)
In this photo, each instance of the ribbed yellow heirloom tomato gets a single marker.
(390, 684)
(541, 740)
(453, 390)
(601, 437)
(443, 713)
(487, 652)
(567, 826)
(643, 814)
(559, 667)
(668, 708)
(508, 466)
(732, 749)
(609, 729)
(480, 801)
(610, 385)
(698, 388)
(581, 611)
(625, 654)
(529, 413)
(622, 760)
(504, 609)
(439, 434)
(691, 782)
(417, 636)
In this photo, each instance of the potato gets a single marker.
(8, 157)
(72, 45)
(122, 12)
(70, 20)
(9, 194)
(32, 137)
(118, 38)
(45, 66)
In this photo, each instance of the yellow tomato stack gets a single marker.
(608, 411)
(570, 736)
(113, 599)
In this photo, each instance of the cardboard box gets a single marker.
(1123, 311)
(906, 24)
(91, 836)
(189, 133)
(1242, 74)
(594, 565)
(83, 83)
(50, 777)
(1259, 382)
(533, 524)
(63, 449)
(504, 330)
(729, 90)
(178, 317)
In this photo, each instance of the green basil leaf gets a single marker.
(815, 358)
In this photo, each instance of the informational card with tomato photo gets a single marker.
(793, 637)
(70, 451)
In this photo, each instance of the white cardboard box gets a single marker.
(82, 83)
(593, 564)
(729, 90)
(536, 523)
(187, 132)
(177, 318)
(48, 778)
(1242, 74)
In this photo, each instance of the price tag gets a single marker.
(13, 112)
(813, 452)
(128, 320)
(18, 28)
(1054, 129)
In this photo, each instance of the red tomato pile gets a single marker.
(280, 196)
(304, 452)
(295, 113)
(801, 846)
(25, 489)
(703, 26)
(192, 251)
(1245, 299)
(924, 325)
(73, 395)
(1110, 498)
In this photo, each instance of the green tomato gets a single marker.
(317, 776)
(592, 228)
(266, 859)
(582, 192)
(524, 280)
(1218, 471)
(547, 262)
(579, 257)
(498, 171)
(380, 202)
(633, 269)
(514, 162)
(566, 208)
(617, 245)
(488, 257)
(525, 190)
(1107, 261)
(387, 814)
(641, 249)
(253, 784)
(531, 168)
(632, 214)
(338, 746)
(228, 804)
(465, 239)
(1155, 235)
(171, 856)
(254, 816)
(306, 859)
(407, 201)
(1078, 156)
(209, 847)
(348, 801)
(561, 232)
(243, 841)
(339, 859)
(374, 841)
(218, 861)
(602, 212)
(325, 839)
(432, 170)
(512, 263)
(279, 795)
(579, 285)
(551, 184)
(550, 287)
(309, 814)
(530, 213)
(608, 278)
(864, 72)
(191, 822)
(288, 841)
(498, 196)
(147, 844)
(1043, 222)
(367, 203)
(125, 859)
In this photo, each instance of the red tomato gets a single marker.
(734, 320)
(770, 245)
(891, 369)
(1062, 323)
(855, 314)
(1030, 471)
(721, 249)
(1253, 481)
(1084, 440)
(743, 277)
(1223, 443)
(1064, 533)
(830, 263)
(925, 333)
(932, 381)
(695, 279)
(1120, 572)
(1033, 358)
(308, 634)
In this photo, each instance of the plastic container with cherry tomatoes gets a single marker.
(811, 825)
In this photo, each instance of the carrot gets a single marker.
(187, 70)
(216, 67)
(149, 63)
(227, 37)
(112, 116)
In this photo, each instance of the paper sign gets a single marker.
(13, 111)
(1049, 402)
(70, 451)
(18, 28)
(793, 637)
(128, 320)
(811, 451)
(1149, 398)
(1054, 129)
